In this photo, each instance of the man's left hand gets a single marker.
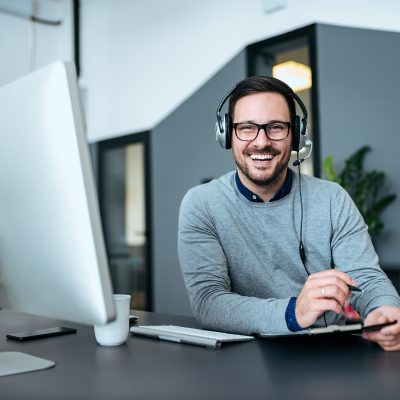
(388, 337)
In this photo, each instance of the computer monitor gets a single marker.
(52, 254)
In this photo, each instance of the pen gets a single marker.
(354, 288)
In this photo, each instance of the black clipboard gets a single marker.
(332, 329)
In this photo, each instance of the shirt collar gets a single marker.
(253, 197)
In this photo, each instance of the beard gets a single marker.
(261, 179)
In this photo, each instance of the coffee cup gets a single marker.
(116, 332)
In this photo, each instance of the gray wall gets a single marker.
(358, 104)
(184, 153)
(359, 89)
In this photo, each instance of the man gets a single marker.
(240, 235)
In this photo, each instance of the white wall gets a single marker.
(26, 46)
(140, 59)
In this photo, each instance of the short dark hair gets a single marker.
(258, 84)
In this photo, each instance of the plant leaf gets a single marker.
(365, 188)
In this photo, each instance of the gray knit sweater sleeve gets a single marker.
(206, 275)
(240, 260)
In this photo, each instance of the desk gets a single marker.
(296, 368)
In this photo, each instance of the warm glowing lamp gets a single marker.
(295, 74)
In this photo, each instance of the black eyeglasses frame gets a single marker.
(265, 128)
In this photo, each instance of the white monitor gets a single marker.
(52, 254)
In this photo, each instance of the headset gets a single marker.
(224, 126)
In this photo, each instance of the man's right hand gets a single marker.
(323, 291)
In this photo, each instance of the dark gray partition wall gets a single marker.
(356, 96)
(184, 154)
(359, 89)
(358, 103)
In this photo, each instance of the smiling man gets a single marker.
(264, 250)
(262, 159)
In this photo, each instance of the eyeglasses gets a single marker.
(248, 131)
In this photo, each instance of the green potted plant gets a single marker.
(364, 187)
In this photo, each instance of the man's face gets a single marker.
(262, 161)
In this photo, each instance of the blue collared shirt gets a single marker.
(251, 196)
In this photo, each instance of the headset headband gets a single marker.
(228, 95)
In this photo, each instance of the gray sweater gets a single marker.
(240, 260)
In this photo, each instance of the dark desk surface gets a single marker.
(296, 368)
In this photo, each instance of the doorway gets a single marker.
(124, 197)
(291, 58)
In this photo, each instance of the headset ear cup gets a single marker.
(303, 127)
(303, 137)
(228, 131)
(296, 133)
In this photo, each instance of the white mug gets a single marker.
(115, 332)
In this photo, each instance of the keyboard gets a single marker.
(194, 336)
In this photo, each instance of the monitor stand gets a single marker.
(14, 362)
